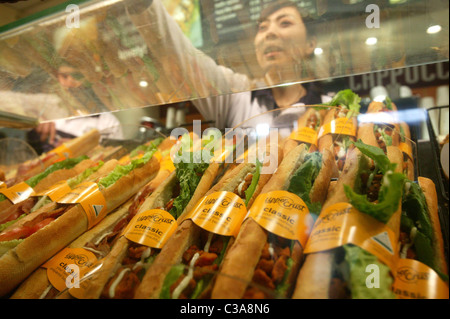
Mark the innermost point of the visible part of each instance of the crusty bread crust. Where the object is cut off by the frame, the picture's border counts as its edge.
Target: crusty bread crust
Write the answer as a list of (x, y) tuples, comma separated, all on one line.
[(355, 161), (313, 281), (365, 133), (19, 262), (185, 235), (429, 191), (63, 174), (319, 190), (81, 145), (326, 141), (110, 264), (240, 261)]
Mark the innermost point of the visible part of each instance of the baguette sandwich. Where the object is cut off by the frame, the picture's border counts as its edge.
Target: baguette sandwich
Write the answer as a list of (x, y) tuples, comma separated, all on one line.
[(188, 262), (372, 183), (261, 264)]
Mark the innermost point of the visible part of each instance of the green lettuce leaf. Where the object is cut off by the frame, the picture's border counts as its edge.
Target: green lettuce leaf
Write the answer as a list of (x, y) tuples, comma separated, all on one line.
[(348, 99), (146, 148), (251, 189), (377, 155), (7, 224), (358, 259), (65, 164), (189, 174), (5, 246), (174, 273), (303, 179), (391, 190), (74, 181), (415, 214), (388, 103), (122, 170), (388, 198)]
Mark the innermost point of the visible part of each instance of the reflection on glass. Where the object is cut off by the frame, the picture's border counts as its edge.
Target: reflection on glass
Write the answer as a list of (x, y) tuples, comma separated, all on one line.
[(185, 50)]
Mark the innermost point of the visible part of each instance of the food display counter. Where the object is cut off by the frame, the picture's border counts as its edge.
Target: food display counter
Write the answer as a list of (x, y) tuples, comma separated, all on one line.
[(264, 152)]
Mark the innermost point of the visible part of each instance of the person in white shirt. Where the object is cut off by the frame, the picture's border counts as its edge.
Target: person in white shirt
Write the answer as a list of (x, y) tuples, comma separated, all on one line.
[(284, 45), (48, 135)]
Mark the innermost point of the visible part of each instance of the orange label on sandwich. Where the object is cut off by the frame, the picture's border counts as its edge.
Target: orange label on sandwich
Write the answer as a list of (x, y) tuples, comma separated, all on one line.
[(305, 134), (284, 214), (167, 164), (342, 126), (62, 151), (57, 191), (341, 224), (90, 198), (66, 268), (220, 213), (151, 228), (407, 149), (415, 280), (18, 192)]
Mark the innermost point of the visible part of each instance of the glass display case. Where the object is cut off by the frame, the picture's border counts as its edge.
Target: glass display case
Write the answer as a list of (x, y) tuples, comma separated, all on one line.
[(246, 70), (118, 47)]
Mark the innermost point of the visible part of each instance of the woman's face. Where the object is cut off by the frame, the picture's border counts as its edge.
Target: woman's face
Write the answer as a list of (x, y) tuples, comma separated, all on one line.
[(282, 40)]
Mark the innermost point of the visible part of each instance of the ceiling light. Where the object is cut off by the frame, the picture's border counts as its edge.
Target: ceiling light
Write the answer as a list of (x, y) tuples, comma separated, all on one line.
[(371, 41), (318, 51), (434, 29), (143, 84)]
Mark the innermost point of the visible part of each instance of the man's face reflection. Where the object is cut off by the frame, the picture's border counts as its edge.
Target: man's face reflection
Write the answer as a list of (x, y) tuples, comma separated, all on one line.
[(282, 40), (68, 77)]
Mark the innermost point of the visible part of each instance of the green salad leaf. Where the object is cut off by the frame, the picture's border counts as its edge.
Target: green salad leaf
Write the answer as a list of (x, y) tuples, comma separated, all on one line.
[(391, 190), (122, 170), (251, 189), (303, 179), (348, 99), (174, 273), (358, 259), (189, 175)]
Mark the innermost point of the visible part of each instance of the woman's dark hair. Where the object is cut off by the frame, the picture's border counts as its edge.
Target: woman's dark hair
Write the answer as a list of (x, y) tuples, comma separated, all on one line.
[(276, 5)]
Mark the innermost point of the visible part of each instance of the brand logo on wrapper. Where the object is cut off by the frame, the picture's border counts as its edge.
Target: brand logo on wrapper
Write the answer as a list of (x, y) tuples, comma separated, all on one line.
[(212, 146), (151, 228), (284, 214), (66, 268), (410, 275), (415, 280), (220, 213)]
